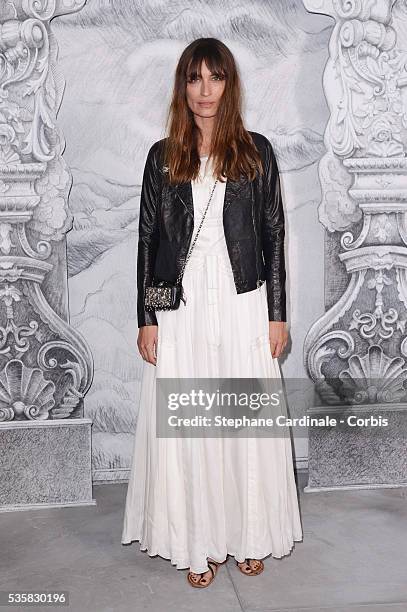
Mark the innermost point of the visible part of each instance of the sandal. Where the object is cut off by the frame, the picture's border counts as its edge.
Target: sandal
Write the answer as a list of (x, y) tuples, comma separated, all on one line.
[(199, 584), (252, 571)]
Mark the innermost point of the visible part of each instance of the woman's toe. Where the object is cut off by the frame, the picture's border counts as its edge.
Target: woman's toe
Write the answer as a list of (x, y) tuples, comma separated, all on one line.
[(206, 577), (255, 564), (245, 566)]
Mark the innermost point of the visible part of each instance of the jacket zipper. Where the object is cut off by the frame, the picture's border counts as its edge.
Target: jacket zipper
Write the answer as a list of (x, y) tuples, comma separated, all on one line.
[(259, 282), (184, 297)]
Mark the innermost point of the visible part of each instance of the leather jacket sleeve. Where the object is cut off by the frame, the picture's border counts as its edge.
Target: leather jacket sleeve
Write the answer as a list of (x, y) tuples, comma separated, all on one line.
[(148, 237), (273, 232)]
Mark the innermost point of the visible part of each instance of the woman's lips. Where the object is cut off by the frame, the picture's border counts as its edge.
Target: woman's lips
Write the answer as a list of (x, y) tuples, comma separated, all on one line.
[(205, 104)]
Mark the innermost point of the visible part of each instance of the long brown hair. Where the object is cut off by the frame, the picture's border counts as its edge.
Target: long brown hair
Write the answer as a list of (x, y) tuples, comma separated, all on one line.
[(232, 149)]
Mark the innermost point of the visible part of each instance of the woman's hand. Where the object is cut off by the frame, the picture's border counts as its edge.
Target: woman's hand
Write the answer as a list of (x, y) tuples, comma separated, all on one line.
[(147, 343), (278, 336)]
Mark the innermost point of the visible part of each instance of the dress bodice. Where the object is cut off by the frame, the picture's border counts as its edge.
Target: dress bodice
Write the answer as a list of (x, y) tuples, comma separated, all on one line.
[(211, 238)]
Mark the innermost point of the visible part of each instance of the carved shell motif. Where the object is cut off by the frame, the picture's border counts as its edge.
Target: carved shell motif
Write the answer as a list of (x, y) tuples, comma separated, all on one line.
[(24, 393), (374, 378)]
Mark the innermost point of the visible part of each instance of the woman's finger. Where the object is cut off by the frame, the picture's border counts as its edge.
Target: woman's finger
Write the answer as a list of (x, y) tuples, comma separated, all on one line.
[(150, 354), (278, 349), (143, 349)]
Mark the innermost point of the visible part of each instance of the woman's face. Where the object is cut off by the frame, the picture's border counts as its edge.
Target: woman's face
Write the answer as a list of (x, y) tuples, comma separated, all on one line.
[(204, 92)]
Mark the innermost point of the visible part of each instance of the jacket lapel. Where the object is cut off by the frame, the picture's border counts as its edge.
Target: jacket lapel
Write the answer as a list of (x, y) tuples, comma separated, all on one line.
[(232, 191), (183, 192)]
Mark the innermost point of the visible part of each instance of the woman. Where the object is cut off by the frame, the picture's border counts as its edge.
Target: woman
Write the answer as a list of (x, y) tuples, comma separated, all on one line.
[(196, 500)]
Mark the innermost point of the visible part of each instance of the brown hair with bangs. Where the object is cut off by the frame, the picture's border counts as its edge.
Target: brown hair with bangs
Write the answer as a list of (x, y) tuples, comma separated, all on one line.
[(232, 149)]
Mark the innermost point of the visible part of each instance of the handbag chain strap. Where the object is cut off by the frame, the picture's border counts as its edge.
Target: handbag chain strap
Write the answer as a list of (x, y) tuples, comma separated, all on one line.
[(193, 244)]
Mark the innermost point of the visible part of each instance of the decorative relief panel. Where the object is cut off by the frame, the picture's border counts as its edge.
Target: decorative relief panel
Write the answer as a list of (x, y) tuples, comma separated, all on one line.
[(357, 351), (45, 365)]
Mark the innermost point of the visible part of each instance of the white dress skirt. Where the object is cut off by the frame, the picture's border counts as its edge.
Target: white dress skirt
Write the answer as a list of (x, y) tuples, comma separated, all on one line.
[(193, 498)]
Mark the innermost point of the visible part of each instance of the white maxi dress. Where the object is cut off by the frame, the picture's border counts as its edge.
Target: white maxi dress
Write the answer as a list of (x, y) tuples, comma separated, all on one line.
[(193, 498)]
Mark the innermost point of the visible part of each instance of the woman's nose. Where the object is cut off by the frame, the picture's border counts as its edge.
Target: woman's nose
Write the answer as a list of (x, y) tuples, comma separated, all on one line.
[(205, 88)]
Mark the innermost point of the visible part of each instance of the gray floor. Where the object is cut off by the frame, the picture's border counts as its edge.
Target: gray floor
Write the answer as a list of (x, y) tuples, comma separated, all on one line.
[(353, 558)]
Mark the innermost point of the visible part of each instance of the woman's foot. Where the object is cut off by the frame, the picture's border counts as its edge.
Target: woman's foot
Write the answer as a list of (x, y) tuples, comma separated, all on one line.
[(251, 567), (203, 580)]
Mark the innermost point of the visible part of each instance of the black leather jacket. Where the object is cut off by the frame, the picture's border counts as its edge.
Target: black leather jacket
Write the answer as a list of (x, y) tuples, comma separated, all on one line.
[(253, 221)]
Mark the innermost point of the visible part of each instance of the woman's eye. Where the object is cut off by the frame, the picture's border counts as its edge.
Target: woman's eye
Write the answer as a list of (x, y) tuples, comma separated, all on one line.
[(214, 77)]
